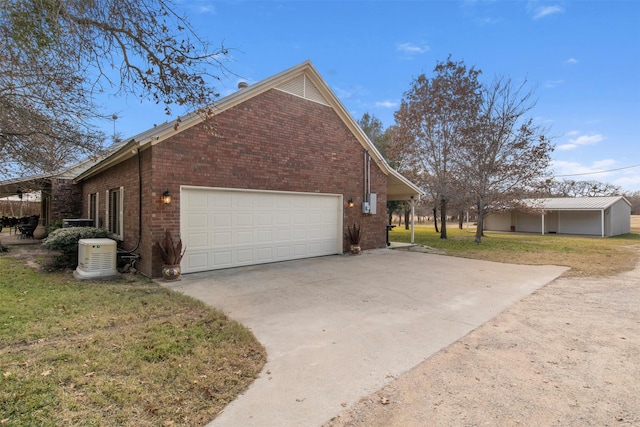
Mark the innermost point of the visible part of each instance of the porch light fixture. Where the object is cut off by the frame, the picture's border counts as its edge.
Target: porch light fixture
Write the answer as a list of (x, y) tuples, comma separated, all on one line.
[(166, 197), (350, 202)]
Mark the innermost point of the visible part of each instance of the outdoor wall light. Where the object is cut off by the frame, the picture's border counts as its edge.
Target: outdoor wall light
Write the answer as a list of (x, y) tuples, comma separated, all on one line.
[(350, 202), (166, 197)]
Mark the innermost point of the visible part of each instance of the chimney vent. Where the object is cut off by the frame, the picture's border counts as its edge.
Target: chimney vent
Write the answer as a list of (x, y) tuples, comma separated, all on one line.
[(242, 85)]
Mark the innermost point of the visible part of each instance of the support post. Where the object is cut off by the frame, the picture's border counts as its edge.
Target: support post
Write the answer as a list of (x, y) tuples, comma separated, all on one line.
[(413, 214)]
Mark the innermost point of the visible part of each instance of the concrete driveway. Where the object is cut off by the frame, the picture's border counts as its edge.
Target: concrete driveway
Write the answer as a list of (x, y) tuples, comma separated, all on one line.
[(340, 327)]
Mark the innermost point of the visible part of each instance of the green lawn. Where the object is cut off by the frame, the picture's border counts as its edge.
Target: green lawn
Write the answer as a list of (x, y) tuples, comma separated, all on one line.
[(114, 353), (587, 256)]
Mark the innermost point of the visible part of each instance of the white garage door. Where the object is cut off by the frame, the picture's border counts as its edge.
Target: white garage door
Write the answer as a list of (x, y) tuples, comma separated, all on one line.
[(224, 228)]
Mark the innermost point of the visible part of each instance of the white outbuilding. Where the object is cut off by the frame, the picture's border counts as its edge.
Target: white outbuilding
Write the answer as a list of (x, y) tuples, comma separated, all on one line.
[(591, 216)]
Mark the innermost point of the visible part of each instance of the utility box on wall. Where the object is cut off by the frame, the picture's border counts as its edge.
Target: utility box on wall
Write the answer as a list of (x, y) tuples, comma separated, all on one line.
[(369, 206)]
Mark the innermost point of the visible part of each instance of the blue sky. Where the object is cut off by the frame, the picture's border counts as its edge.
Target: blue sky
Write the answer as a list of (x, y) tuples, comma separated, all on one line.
[(581, 57)]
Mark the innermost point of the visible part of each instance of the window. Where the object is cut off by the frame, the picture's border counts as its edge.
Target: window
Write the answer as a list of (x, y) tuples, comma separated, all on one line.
[(114, 213), (93, 208)]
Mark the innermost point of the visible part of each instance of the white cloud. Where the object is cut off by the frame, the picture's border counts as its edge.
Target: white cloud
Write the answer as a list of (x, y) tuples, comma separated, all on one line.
[(605, 170), (630, 181), (488, 21), (200, 6), (571, 61), (386, 104), (553, 83), (571, 169), (544, 11), (349, 93), (413, 49), (580, 141)]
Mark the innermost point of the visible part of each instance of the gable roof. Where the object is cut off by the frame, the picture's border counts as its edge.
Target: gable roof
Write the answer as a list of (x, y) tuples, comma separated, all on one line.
[(302, 80), (574, 203)]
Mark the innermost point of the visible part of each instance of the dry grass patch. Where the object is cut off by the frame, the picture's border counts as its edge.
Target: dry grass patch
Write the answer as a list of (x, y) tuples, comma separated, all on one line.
[(587, 256), (114, 353)]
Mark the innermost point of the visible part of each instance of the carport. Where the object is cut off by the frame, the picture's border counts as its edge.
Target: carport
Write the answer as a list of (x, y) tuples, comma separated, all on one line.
[(591, 216), (339, 327)]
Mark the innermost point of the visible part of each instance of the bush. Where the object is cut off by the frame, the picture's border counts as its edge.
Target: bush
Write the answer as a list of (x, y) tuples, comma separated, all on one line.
[(54, 226), (65, 241)]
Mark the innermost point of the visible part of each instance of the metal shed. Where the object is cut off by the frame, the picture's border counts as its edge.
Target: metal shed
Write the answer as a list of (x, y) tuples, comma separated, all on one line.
[(592, 216)]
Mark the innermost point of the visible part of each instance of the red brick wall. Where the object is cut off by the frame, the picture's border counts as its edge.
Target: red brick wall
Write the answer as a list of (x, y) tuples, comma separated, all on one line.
[(67, 202), (124, 175), (274, 141)]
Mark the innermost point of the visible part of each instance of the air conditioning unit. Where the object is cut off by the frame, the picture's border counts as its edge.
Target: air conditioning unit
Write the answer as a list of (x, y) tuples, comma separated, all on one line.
[(96, 259)]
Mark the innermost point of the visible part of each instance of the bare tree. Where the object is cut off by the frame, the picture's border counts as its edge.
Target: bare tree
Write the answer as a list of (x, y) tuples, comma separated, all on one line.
[(504, 155), (634, 199), (56, 56), (570, 188), (432, 117)]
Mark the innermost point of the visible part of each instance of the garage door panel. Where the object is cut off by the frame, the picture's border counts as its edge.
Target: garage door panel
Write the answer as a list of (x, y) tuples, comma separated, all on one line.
[(265, 254), (221, 259), (282, 218), (221, 220), (244, 255), (243, 200), (217, 201), (196, 260), (197, 220), (243, 237), (223, 238), (264, 236), (283, 252), (198, 240), (244, 219), (227, 228), (264, 219), (282, 235)]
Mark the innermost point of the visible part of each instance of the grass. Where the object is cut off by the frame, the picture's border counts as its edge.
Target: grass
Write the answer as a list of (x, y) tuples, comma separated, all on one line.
[(114, 353), (587, 256)]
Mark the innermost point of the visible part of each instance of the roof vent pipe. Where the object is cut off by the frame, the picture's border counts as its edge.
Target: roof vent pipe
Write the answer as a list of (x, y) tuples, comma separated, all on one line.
[(242, 85)]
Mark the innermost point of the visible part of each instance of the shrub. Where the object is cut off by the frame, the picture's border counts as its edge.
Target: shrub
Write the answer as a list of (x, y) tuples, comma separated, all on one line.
[(54, 226), (65, 242)]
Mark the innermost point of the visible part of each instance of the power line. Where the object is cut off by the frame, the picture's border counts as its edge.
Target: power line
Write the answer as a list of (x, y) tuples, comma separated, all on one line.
[(593, 173)]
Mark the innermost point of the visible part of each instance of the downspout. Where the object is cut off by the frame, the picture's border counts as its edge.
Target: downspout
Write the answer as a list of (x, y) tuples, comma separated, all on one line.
[(139, 204), (364, 198), (368, 176)]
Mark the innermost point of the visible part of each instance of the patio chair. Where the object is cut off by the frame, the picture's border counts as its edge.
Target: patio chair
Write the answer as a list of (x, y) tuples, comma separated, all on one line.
[(26, 230)]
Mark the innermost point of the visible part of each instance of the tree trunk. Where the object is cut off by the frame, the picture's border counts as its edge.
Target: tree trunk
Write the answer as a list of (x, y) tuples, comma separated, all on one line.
[(435, 219), (443, 218), (460, 219), (479, 229), (407, 214)]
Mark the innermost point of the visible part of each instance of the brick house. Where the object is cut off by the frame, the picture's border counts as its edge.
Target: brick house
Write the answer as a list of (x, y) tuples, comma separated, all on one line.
[(60, 198), (286, 170)]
